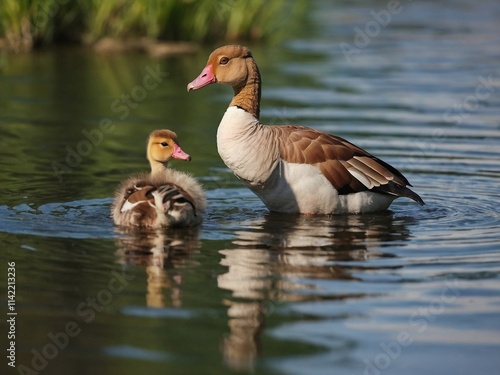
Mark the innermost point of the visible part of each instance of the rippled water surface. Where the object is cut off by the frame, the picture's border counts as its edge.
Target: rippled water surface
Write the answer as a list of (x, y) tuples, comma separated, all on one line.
[(414, 290)]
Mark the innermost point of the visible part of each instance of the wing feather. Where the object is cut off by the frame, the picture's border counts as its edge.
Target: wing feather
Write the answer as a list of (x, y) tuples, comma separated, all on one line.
[(349, 168)]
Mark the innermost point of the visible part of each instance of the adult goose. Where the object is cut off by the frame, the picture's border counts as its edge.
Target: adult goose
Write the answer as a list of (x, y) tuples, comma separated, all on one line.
[(293, 169), (164, 197)]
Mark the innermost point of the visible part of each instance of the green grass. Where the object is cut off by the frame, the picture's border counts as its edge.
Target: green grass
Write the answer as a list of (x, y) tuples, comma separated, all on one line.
[(28, 23)]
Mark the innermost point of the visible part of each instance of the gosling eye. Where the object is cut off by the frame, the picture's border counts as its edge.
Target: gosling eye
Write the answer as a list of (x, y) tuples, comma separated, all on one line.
[(164, 144), (223, 60)]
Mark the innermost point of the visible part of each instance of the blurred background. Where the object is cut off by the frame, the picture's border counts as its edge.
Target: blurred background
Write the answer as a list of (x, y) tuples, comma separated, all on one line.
[(413, 290), (30, 24)]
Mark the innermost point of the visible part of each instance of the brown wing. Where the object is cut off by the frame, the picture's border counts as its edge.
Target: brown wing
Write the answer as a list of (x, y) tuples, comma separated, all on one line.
[(140, 208), (349, 169), (140, 194), (136, 207)]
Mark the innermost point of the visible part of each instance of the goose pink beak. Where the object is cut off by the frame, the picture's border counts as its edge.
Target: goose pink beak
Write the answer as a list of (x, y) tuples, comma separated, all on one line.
[(205, 78), (180, 154)]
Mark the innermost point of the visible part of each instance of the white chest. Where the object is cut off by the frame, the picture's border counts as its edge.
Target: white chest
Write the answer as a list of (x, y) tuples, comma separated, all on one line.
[(245, 147)]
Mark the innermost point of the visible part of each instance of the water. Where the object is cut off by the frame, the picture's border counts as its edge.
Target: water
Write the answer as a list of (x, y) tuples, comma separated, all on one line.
[(413, 290)]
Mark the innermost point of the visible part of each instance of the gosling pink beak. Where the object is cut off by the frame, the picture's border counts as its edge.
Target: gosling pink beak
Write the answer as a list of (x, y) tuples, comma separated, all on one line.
[(180, 154), (205, 78)]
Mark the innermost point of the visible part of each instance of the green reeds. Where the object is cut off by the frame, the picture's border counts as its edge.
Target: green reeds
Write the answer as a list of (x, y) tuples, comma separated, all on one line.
[(27, 23)]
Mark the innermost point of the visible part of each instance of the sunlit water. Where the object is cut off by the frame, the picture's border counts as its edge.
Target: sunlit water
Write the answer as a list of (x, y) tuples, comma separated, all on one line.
[(414, 290)]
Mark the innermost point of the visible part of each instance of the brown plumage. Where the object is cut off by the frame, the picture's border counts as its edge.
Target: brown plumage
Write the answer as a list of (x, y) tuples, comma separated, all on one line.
[(164, 197), (284, 157), (335, 156)]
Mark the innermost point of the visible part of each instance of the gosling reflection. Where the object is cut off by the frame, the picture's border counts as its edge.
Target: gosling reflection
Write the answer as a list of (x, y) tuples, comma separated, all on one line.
[(275, 256), (164, 254)]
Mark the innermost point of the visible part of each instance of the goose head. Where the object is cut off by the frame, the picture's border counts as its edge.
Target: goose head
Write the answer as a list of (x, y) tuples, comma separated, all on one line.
[(227, 65), (162, 147)]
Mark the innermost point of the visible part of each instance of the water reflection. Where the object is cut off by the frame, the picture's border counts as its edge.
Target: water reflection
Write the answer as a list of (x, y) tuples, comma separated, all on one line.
[(409, 97), (163, 254), (273, 259)]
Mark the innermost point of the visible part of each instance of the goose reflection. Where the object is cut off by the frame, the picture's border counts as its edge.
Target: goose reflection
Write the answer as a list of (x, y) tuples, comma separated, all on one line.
[(164, 255), (274, 257)]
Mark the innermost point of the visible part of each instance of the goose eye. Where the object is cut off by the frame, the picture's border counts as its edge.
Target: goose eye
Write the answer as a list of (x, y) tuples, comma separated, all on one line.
[(164, 144), (223, 60)]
